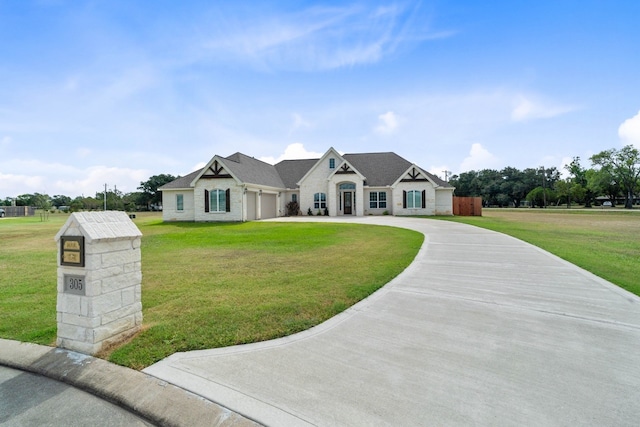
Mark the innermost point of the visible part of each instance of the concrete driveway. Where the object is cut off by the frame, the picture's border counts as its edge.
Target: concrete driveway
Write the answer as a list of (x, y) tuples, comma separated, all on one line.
[(482, 329)]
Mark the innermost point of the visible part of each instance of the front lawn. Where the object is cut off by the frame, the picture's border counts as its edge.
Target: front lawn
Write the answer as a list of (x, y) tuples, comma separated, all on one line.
[(210, 285)]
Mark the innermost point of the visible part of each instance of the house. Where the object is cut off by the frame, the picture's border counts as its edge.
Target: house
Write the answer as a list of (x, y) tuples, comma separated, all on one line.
[(242, 188)]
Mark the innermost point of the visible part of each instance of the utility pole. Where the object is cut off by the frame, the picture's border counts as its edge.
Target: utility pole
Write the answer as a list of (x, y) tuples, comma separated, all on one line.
[(446, 175), (544, 186)]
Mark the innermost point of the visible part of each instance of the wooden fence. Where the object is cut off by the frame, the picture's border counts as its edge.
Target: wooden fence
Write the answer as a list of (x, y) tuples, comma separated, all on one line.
[(467, 206), (18, 210)]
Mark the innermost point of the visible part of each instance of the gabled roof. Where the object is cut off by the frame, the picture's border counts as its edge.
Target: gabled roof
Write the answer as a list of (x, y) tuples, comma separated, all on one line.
[(181, 183), (292, 171), (384, 169), (253, 171), (380, 170), (246, 169)]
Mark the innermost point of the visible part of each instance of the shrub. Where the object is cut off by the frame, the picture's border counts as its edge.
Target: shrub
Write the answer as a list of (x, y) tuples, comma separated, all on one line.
[(293, 208)]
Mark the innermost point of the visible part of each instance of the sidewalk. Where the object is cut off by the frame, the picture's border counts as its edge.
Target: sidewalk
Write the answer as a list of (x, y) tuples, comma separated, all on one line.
[(482, 329)]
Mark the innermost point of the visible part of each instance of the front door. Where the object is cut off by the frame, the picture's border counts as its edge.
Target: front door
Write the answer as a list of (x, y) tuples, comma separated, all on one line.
[(347, 202)]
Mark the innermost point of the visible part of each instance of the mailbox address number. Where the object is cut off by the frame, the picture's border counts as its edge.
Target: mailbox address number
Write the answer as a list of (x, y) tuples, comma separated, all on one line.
[(74, 284)]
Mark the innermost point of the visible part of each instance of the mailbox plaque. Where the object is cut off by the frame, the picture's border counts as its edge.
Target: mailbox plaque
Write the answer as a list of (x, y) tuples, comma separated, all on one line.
[(72, 251), (74, 284)]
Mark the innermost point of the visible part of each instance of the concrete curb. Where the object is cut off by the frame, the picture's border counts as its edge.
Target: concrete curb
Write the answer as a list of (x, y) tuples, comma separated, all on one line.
[(159, 402)]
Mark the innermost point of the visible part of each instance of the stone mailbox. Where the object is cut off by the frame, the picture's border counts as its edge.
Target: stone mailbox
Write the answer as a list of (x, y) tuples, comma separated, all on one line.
[(99, 281)]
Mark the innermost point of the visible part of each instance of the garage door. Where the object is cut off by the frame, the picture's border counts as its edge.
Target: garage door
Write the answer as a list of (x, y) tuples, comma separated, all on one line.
[(269, 206), (251, 205)]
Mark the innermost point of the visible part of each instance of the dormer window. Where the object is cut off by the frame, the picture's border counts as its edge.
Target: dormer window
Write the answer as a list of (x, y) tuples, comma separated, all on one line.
[(332, 163)]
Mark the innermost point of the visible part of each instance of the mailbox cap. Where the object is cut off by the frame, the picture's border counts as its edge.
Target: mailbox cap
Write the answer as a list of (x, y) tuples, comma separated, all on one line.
[(98, 226)]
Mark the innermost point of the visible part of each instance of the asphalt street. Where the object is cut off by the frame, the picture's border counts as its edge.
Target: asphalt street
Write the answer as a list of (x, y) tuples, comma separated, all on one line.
[(28, 399)]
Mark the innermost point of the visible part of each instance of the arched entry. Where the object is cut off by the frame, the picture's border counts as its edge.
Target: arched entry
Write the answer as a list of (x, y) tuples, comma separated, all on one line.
[(347, 198)]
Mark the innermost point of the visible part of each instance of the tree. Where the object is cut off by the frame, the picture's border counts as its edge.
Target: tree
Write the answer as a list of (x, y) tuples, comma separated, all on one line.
[(624, 166), (540, 196), (579, 177), (60, 200), (600, 181), (149, 188)]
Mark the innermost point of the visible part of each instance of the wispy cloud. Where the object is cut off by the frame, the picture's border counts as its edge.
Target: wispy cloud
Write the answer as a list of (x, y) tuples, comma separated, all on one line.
[(320, 38), (531, 108)]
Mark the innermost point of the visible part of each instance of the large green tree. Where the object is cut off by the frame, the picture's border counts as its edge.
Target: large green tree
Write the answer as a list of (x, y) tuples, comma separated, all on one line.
[(150, 193), (624, 166)]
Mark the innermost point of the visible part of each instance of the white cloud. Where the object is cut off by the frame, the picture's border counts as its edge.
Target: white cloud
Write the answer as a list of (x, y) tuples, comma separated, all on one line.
[(529, 108), (629, 130), (479, 158), (56, 178), (388, 123), (293, 151)]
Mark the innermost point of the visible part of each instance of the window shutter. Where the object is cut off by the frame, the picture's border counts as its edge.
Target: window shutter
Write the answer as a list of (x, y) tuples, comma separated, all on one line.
[(424, 202), (206, 200), (227, 195), (404, 199)]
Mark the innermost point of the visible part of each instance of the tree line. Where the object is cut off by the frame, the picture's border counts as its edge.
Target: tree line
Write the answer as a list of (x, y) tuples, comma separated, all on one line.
[(614, 176), (148, 198)]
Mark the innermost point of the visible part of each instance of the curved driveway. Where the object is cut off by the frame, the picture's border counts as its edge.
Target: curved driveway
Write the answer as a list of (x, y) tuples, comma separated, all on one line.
[(481, 329)]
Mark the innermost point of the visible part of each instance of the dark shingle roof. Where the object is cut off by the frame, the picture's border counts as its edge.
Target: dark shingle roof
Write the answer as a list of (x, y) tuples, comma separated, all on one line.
[(380, 170), (253, 171), (182, 182), (292, 171)]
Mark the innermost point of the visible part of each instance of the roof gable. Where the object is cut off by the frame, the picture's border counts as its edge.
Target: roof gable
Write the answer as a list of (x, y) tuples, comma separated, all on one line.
[(330, 151), (215, 169)]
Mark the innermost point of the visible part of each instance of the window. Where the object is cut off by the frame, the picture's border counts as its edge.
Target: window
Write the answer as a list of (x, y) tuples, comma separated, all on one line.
[(294, 198), (217, 201), (413, 199), (180, 202), (348, 186), (319, 201), (378, 200), (332, 163)]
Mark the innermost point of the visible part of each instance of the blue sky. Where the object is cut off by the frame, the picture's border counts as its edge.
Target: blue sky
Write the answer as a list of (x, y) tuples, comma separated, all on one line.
[(95, 92)]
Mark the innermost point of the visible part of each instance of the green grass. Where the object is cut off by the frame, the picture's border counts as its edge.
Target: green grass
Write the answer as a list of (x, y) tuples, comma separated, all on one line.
[(211, 285), (604, 242)]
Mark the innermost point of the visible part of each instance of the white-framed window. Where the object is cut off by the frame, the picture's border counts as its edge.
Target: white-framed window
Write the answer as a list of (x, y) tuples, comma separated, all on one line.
[(319, 201), (180, 202), (378, 200), (414, 199), (217, 200), (294, 198), (332, 163)]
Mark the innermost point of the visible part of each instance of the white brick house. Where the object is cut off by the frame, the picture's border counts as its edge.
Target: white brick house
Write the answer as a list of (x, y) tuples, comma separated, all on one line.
[(241, 188)]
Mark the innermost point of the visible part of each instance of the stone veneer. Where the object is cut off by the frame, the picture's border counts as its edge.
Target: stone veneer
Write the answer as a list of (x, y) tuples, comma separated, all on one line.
[(111, 309)]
